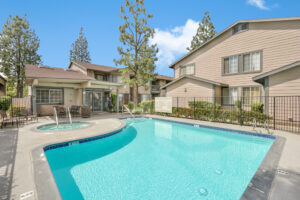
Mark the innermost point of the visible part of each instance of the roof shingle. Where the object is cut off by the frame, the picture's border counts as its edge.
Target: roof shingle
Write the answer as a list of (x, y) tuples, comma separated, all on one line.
[(34, 71), (95, 67)]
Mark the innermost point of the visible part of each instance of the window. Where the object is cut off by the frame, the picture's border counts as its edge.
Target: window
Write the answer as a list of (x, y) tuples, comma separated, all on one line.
[(145, 97), (116, 78), (187, 70), (231, 65), (251, 95), (230, 95), (49, 96), (100, 77), (251, 62), (243, 63), (239, 27)]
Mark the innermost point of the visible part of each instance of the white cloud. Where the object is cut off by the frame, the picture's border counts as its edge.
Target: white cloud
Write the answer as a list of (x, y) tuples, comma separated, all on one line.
[(173, 43), (258, 3)]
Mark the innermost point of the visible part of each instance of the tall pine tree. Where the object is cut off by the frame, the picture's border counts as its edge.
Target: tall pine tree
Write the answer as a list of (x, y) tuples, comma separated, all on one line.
[(18, 46), (205, 31), (79, 49), (136, 54)]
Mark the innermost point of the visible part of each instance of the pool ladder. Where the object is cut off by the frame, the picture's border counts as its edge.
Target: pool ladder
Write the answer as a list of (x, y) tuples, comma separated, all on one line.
[(266, 125), (127, 109), (69, 114), (55, 116)]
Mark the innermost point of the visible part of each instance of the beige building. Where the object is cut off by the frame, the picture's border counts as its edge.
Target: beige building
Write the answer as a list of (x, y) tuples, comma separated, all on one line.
[(249, 59), (80, 84)]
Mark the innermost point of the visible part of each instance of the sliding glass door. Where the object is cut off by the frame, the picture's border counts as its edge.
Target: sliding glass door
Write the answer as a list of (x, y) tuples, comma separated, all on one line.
[(95, 100)]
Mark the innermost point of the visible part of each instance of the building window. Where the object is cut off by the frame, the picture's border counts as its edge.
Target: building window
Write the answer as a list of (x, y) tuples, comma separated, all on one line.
[(116, 78), (145, 97), (187, 70), (49, 96), (239, 27), (252, 62), (229, 96), (100, 77), (231, 65), (251, 95)]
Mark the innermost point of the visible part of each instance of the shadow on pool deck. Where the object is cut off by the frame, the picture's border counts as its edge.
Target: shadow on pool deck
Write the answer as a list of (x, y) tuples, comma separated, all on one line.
[(8, 146)]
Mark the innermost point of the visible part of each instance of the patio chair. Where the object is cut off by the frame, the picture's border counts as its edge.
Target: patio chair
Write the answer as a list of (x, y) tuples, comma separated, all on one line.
[(7, 119), (75, 111), (27, 114), (61, 111), (85, 111)]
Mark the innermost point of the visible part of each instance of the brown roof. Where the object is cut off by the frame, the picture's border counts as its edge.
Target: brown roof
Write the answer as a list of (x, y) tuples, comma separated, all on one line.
[(162, 77), (34, 71), (95, 67)]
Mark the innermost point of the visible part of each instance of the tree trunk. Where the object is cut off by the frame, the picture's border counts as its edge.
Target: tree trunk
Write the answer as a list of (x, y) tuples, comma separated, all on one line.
[(136, 94)]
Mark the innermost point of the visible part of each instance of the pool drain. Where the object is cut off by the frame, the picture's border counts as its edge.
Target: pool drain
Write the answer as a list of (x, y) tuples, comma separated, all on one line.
[(219, 172), (203, 191)]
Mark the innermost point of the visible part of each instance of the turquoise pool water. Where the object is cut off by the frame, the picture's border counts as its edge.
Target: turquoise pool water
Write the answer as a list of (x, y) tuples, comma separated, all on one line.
[(154, 159), (63, 126)]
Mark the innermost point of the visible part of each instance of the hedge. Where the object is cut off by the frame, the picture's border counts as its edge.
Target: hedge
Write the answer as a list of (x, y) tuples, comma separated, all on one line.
[(222, 115)]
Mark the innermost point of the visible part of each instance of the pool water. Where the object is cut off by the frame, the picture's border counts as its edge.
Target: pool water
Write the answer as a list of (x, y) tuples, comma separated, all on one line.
[(154, 159), (63, 126)]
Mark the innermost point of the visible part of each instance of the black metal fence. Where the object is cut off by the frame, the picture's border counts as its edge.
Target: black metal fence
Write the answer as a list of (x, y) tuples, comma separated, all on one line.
[(276, 112)]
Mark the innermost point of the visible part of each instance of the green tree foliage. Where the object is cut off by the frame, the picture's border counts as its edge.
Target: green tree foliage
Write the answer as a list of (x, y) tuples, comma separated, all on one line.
[(205, 31), (18, 46), (79, 49), (136, 54)]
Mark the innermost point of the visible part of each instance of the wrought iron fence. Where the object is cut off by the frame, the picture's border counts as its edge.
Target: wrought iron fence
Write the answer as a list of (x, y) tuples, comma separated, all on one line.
[(276, 112)]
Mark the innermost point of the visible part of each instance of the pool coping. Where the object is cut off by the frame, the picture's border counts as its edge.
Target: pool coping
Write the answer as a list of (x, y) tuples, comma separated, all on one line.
[(45, 184), (47, 188)]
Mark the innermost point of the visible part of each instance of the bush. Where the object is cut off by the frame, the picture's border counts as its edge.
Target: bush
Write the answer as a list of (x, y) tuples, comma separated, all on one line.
[(5, 103), (16, 110), (114, 101), (204, 104), (147, 106), (238, 104), (221, 115), (257, 107), (131, 106)]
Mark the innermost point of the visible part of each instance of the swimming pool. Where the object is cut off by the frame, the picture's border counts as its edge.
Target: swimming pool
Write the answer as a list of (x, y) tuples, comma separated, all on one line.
[(155, 159)]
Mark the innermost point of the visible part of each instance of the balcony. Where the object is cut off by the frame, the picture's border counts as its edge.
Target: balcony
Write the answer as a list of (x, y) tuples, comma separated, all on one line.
[(155, 89)]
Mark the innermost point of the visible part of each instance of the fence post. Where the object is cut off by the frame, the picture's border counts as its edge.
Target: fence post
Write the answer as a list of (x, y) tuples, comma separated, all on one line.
[(177, 104), (11, 106), (194, 108), (274, 126), (240, 110)]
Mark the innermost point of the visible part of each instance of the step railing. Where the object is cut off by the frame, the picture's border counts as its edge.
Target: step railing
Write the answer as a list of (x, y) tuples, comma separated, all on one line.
[(127, 109), (55, 116)]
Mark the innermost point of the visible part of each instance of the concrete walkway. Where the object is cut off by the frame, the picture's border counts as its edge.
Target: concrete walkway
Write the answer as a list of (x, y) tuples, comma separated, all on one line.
[(17, 175)]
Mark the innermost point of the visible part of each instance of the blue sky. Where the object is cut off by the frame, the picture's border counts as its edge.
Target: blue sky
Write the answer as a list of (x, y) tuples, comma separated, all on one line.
[(57, 23)]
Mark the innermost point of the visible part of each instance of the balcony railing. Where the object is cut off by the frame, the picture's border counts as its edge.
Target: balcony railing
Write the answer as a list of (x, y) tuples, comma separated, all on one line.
[(155, 88)]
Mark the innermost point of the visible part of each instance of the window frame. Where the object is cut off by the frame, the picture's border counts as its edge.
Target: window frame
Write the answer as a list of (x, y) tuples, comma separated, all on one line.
[(184, 67), (49, 97), (222, 95), (240, 25), (241, 63), (251, 86)]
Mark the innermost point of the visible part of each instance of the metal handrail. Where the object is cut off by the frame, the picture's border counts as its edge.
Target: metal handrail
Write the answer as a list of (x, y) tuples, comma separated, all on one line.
[(70, 118), (127, 109), (55, 115)]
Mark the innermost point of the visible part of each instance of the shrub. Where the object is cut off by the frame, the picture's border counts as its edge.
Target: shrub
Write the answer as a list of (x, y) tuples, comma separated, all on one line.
[(16, 110), (203, 104), (238, 104), (114, 101), (147, 106), (5, 103), (257, 107), (131, 106)]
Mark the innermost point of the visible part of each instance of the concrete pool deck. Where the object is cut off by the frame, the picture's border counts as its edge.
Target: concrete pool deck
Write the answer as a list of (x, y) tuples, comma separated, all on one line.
[(18, 147)]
